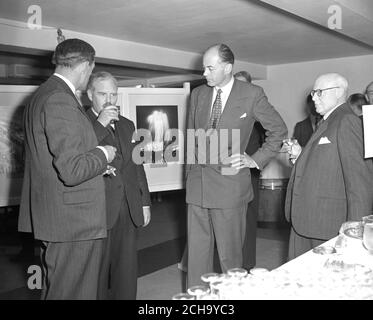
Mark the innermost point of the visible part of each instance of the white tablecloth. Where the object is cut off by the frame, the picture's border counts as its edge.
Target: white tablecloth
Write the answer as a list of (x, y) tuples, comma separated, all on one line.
[(346, 274)]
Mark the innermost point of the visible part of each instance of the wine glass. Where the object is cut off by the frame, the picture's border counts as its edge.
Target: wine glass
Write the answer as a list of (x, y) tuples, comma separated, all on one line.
[(198, 291), (183, 296), (368, 233), (237, 272)]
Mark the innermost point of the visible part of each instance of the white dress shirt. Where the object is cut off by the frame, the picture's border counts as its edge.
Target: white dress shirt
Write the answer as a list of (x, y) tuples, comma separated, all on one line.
[(225, 92), (224, 95)]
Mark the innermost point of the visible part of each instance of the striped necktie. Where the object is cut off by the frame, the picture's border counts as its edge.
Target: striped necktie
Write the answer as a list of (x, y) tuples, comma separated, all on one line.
[(216, 111)]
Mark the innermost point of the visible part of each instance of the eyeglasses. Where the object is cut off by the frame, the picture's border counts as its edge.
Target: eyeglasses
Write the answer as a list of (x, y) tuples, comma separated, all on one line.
[(320, 91)]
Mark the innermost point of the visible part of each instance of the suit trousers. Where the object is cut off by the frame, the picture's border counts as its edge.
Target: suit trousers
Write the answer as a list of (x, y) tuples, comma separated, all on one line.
[(118, 275), (299, 244), (71, 269), (249, 246), (227, 227)]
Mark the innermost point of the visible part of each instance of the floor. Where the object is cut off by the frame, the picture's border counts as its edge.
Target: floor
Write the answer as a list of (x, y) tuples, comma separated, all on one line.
[(160, 247)]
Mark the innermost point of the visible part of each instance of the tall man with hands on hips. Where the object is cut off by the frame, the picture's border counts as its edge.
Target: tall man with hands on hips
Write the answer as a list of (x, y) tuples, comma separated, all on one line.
[(217, 202), (63, 193), (127, 193)]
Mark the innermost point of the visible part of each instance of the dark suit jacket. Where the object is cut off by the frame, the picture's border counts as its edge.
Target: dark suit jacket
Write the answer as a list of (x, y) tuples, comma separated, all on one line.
[(303, 131), (130, 182), (330, 183), (257, 138), (206, 186), (63, 193)]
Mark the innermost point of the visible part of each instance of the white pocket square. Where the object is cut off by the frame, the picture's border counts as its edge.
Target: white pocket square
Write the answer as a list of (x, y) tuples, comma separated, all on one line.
[(243, 116), (324, 140)]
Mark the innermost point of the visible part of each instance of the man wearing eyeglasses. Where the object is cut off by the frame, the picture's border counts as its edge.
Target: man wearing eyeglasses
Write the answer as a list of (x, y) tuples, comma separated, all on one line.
[(369, 93), (330, 182)]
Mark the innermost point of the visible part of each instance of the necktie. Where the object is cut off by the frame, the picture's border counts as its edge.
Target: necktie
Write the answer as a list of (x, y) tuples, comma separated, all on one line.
[(216, 111), (112, 129), (318, 122)]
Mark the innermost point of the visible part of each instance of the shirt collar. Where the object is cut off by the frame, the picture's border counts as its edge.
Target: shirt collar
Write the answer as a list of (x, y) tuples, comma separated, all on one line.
[(326, 115), (67, 81), (228, 87), (94, 112)]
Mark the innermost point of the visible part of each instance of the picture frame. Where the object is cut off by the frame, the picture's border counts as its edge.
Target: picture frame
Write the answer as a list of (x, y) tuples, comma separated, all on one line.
[(13, 99), (161, 177), (137, 104)]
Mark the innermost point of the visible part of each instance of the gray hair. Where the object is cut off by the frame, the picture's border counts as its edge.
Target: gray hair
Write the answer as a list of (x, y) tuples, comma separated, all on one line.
[(101, 75)]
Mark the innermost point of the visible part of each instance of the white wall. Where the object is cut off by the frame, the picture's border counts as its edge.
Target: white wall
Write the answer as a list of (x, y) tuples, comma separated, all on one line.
[(289, 84), (16, 33)]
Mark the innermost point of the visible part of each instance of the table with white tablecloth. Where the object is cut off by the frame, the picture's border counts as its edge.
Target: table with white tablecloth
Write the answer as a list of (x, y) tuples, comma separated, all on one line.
[(345, 274)]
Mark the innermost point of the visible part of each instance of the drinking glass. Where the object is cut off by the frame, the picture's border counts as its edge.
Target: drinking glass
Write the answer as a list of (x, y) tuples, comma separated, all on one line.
[(216, 287), (259, 271), (286, 145), (237, 272), (368, 233), (183, 296), (209, 277), (109, 105), (367, 218), (198, 291)]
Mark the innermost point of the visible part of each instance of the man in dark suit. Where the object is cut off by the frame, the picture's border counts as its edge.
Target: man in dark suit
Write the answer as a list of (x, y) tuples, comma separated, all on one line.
[(63, 193), (255, 142), (330, 182), (127, 193), (304, 129), (217, 190)]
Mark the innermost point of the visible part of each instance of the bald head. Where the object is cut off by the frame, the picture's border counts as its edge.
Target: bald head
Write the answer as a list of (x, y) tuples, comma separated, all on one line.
[(218, 65), (329, 91)]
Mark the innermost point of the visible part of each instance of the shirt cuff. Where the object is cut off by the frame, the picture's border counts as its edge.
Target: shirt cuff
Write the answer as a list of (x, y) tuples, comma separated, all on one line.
[(253, 160), (104, 151)]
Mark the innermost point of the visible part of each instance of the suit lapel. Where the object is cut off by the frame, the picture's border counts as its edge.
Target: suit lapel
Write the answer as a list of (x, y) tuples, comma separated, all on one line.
[(229, 105), (121, 135), (320, 130), (91, 115), (203, 112), (317, 134)]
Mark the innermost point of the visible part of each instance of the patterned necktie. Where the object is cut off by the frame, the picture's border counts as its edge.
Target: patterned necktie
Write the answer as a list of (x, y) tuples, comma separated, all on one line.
[(216, 111), (112, 129)]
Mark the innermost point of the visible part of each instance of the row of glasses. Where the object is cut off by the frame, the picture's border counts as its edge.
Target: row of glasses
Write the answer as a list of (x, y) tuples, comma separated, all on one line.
[(232, 285)]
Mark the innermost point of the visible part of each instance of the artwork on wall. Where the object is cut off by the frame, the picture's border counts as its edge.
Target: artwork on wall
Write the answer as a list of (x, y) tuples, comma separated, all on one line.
[(159, 115), (161, 122), (159, 111), (13, 100)]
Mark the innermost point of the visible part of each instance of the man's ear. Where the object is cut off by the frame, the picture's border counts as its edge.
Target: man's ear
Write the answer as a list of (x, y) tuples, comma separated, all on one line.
[(340, 92), (228, 68), (89, 94)]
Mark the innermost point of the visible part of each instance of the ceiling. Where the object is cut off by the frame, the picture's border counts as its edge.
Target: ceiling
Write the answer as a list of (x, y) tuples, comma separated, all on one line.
[(264, 32)]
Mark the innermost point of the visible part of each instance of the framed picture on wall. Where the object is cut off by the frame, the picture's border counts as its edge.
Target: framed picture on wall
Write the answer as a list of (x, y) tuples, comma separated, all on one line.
[(161, 122), (13, 100), (159, 115)]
